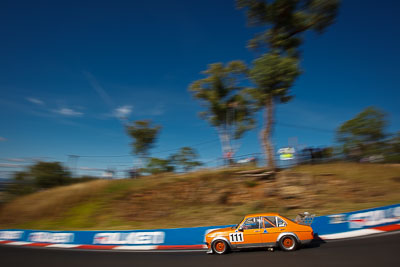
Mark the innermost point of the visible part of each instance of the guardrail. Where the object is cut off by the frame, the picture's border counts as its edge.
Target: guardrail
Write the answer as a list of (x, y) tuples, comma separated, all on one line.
[(335, 226)]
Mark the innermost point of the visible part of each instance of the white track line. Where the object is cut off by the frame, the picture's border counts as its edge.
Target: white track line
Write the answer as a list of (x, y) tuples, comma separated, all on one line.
[(356, 233), (18, 243), (62, 246), (136, 247)]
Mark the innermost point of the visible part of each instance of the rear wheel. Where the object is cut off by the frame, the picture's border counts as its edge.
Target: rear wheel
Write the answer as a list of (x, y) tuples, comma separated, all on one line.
[(288, 243), (220, 247)]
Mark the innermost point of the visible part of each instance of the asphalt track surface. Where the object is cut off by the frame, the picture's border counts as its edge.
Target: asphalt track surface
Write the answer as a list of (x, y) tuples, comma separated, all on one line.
[(379, 251)]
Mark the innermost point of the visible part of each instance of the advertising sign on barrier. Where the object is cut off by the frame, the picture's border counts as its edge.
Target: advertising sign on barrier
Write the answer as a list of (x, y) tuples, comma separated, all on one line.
[(130, 238), (323, 225), (364, 219), (11, 235), (49, 237)]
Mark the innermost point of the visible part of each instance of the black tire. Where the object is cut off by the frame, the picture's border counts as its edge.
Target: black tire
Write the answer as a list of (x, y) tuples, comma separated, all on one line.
[(220, 247), (288, 243)]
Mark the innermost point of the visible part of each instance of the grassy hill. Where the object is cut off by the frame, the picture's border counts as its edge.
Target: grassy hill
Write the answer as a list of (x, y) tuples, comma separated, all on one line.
[(204, 198)]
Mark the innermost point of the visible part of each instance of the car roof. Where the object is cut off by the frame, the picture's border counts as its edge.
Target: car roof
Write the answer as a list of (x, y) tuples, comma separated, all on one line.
[(263, 214)]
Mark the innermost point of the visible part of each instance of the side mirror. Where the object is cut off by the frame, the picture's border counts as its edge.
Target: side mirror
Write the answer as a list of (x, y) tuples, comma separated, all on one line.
[(240, 229)]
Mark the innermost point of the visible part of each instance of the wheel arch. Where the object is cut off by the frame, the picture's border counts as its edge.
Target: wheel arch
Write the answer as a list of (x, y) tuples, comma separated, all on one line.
[(287, 233), (221, 238)]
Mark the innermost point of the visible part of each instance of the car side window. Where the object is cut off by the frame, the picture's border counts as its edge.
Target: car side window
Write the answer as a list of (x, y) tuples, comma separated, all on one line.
[(251, 223), (280, 222), (268, 223)]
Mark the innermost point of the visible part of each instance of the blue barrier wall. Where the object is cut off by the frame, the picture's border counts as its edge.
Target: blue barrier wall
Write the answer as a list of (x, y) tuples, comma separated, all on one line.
[(178, 236), (357, 220), (322, 225)]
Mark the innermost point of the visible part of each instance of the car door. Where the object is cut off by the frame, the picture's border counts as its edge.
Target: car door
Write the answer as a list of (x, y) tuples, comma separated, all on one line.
[(270, 231), (250, 232)]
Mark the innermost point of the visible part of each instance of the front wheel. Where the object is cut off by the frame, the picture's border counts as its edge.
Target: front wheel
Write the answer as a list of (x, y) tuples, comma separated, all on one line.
[(220, 247), (288, 243)]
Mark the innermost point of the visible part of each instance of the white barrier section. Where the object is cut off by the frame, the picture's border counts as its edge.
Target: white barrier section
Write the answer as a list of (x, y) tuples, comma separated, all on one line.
[(11, 235), (133, 238), (374, 217), (46, 237)]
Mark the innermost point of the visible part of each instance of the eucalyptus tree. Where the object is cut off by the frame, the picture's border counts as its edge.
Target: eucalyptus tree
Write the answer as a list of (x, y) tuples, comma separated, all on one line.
[(144, 135), (273, 75), (364, 134), (285, 22), (226, 107), (157, 165), (186, 158)]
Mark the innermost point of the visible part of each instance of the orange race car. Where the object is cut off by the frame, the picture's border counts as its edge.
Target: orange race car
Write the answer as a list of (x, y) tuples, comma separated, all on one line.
[(262, 230)]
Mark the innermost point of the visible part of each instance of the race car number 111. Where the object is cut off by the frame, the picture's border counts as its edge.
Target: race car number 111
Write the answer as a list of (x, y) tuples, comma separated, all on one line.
[(236, 237)]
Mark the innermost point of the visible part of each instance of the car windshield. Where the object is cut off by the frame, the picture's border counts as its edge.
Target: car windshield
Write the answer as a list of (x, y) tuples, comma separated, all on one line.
[(237, 225)]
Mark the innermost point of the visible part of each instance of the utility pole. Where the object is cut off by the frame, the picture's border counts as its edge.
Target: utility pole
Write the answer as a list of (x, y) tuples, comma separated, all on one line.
[(73, 163)]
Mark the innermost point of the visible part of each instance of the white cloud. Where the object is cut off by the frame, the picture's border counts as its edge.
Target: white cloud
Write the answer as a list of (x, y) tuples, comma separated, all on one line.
[(123, 111), (158, 110), (2, 139), (15, 160), (68, 112), (98, 88), (34, 100), (10, 165), (151, 110), (90, 169)]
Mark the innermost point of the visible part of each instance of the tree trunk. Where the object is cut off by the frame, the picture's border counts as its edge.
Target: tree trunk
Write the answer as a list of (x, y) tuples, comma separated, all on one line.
[(267, 132), (225, 143)]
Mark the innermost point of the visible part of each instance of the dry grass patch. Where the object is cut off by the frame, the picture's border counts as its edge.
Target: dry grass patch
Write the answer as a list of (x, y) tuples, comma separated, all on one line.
[(207, 197), (49, 203)]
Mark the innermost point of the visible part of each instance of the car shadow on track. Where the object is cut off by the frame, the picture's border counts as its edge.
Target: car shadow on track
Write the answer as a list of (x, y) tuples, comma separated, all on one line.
[(315, 243)]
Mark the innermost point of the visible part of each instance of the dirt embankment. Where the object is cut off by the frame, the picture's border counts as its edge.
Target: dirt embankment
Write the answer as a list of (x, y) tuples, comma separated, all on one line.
[(205, 197)]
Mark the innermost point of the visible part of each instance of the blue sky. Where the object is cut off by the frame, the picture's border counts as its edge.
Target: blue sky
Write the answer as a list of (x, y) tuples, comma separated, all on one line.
[(68, 68)]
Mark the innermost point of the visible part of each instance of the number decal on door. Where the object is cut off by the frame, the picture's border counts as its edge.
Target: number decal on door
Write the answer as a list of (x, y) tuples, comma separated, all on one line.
[(236, 237)]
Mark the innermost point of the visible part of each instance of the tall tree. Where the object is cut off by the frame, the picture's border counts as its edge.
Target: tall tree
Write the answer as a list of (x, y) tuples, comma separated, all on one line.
[(361, 135), (23, 184), (186, 158), (395, 143), (285, 22), (273, 76), (226, 108), (49, 174), (393, 148), (157, 165), (144, 135)]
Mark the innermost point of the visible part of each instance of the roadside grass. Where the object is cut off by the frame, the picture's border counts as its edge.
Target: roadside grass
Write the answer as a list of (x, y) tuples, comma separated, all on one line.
[(50, 203), (344, 187), (204, 198)]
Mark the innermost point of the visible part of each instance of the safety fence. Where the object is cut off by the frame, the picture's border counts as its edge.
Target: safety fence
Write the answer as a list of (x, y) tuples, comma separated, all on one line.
[(344, 225)]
